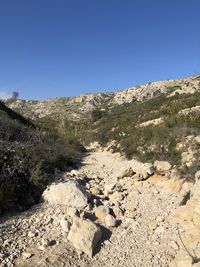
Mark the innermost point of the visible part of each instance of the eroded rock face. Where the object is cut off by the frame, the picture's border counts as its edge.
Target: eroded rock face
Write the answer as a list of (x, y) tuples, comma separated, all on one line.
[(84, 235), (69, 194)]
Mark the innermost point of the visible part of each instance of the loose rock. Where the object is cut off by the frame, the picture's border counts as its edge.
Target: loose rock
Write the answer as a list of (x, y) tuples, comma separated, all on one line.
[(84, 235), (69, 194)]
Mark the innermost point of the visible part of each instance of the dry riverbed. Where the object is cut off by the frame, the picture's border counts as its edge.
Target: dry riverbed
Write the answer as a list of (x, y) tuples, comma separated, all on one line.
[(139, 233)]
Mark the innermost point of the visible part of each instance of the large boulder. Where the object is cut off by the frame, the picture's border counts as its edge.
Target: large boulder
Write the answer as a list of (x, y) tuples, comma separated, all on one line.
[(128, 172), (142, 170), (84, 235), (70, 194), (136, 169), (162, 167)]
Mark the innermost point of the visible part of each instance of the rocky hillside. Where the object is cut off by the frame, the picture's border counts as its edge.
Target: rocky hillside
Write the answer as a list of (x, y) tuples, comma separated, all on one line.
[(156, 121), (28, 158), (133, 199), (76, 108)]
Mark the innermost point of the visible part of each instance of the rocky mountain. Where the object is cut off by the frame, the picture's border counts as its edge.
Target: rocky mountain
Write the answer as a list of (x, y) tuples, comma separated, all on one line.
[(76, 108)]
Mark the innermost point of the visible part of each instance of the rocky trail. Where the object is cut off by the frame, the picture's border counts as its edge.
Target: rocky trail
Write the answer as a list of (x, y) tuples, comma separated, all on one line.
[(124, 222)]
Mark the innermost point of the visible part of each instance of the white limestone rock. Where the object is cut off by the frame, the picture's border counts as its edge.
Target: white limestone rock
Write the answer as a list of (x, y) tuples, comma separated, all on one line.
[(69, 194)]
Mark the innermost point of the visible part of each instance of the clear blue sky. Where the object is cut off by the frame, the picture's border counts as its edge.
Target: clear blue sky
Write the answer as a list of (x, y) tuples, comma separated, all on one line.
[(51, 48)]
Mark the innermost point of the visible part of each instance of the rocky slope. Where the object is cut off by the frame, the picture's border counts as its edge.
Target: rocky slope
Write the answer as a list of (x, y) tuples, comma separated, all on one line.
[(121, 216), (78, 107), (118, 212)]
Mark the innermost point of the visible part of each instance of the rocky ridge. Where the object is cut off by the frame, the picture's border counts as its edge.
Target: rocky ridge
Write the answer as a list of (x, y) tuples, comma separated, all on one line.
[(76, 108)]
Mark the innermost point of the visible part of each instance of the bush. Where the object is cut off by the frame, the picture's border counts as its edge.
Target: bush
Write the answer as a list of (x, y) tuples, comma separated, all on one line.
[(97, 114), (139, 142), (28, 158)]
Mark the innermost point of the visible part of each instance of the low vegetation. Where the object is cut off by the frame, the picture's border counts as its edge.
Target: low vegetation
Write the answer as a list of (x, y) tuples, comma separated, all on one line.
[(31, 151), (151, 142), (29, 156), (146, 143)]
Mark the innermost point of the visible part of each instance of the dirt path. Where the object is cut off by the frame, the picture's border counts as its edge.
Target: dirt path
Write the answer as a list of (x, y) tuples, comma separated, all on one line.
[(144, 237)]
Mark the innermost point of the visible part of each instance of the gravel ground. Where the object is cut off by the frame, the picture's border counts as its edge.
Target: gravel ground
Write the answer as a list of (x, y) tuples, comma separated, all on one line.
[(143, 238)]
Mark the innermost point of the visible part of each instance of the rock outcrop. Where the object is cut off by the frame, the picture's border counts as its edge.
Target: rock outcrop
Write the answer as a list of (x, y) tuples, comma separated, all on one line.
[(188, 111), (150, 123), (76, 108)]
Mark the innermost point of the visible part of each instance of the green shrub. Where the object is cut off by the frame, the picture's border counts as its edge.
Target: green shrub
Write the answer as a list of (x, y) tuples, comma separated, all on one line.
[(97, 114), (137, 142), (28, 158)]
